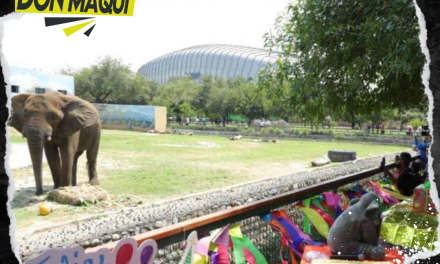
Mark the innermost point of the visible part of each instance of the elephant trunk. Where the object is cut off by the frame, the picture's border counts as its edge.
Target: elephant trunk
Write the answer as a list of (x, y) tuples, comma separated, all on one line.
[(35, 141)]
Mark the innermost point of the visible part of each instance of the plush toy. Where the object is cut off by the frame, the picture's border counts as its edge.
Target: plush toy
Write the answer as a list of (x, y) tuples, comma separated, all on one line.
[(356, 231)]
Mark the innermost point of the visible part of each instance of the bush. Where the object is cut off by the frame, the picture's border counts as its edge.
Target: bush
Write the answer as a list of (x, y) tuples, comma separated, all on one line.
[(271, 131), (245, 130)]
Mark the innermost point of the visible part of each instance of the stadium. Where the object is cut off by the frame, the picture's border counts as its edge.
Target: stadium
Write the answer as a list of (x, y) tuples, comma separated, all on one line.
[(224, 61)]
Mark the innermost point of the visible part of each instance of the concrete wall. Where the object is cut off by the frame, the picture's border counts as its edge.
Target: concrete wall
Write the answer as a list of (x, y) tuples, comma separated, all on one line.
[(161, 118), (27, 81)]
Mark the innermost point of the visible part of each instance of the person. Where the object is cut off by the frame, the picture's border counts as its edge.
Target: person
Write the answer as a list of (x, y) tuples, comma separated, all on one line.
[(422, 149), (179, 120), (261, 125), (411, 131), (187, 121), (407, 179), (418, 131), (368, 129), (203, 121), (382, 129), (197, 121)]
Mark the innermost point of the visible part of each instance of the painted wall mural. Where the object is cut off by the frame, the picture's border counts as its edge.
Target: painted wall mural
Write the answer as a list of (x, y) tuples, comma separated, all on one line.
[(127, 117)]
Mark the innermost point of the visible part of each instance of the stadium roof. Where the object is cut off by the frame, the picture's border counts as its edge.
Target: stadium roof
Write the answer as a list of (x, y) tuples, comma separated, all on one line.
[(226, 61)]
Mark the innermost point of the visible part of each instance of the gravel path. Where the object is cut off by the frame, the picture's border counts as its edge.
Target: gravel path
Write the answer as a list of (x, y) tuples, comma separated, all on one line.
[(130, 221)]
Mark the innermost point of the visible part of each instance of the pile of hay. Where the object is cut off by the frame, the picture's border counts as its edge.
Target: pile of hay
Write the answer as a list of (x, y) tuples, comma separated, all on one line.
[(78, 195)]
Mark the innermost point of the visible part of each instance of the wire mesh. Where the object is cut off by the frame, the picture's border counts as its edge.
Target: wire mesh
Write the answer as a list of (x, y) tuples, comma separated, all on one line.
[(260, 233)]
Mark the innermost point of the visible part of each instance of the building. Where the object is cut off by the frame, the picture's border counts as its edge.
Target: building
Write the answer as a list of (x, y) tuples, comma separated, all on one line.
[(225, 61), (31, 81)]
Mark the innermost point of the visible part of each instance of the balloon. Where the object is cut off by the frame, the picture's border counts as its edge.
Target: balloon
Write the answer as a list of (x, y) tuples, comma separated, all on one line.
[(125, 254), (146, 255)]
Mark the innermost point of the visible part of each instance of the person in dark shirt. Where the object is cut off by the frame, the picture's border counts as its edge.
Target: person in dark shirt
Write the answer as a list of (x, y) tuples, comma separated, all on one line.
[(407, 179)]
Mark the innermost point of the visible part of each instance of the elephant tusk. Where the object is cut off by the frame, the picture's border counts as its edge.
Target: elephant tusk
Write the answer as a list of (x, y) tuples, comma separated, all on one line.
[(49, 138)]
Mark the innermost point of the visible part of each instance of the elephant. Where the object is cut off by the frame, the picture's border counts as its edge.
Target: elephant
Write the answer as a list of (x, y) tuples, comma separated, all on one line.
[(356, 230), (64, 126)]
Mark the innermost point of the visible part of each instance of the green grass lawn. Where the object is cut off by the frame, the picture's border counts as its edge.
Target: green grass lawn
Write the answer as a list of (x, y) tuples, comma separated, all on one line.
[(150, 167), (175, 164)]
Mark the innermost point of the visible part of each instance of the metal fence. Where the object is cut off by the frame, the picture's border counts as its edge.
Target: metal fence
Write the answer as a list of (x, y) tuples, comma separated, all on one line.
[(171, 239)]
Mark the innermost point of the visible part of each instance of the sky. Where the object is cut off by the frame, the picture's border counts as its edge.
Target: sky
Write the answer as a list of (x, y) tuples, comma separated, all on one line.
[(157, 27)]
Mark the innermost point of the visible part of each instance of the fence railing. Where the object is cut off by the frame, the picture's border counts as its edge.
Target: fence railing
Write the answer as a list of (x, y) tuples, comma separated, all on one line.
[(294, 129), (174, 236)]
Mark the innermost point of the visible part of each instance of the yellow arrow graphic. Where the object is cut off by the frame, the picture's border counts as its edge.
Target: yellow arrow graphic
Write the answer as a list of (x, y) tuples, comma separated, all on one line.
[(70, 30)]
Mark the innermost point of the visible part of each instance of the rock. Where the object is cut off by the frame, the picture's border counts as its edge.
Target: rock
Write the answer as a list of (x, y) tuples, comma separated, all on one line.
[(95, 242), (85, 244), (159, 224), (116, 237), (107, 238)]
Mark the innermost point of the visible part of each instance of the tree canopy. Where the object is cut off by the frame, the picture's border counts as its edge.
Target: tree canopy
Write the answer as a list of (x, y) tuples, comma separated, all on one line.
[(347, 58)]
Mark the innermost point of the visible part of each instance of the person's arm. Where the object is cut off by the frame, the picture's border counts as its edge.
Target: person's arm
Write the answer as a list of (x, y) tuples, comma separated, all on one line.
[(390, 176), (416, 142)]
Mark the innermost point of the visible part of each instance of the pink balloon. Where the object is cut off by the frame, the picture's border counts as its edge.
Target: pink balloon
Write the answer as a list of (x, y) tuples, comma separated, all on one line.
[(124, 255)]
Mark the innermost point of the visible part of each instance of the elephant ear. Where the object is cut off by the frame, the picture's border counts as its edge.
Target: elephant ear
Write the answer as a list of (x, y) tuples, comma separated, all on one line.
[(372, 212), (18, 102), (354, 201), (77, 114)]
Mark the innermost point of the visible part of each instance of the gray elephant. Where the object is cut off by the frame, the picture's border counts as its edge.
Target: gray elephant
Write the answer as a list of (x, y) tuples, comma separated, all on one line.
[(64, 126), (356, 231)]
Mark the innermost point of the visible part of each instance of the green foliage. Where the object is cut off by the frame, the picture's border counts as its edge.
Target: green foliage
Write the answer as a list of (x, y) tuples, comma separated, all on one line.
[(110, 81), (415, 123), (271, 131), (331, 61)]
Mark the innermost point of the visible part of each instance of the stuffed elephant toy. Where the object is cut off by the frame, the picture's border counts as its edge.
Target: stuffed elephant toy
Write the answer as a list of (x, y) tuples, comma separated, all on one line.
[(64, 126), (356, 231)]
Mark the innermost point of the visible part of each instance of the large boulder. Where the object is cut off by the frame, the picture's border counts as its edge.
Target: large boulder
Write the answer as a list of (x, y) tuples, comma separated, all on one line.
[(341, 155)]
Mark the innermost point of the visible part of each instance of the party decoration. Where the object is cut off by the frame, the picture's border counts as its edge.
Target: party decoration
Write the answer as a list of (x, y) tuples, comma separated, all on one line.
[(243, 249), (402, 226), (295, 238), (125, 252), (387, 198), (189, 250)]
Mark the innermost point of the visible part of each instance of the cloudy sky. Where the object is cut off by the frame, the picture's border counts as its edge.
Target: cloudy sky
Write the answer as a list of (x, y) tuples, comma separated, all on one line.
[(156, 28)]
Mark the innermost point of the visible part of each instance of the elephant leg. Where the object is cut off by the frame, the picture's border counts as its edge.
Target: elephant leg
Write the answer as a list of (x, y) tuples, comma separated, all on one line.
[(75, 164), (92, 156), (53, 159), (67, 158)]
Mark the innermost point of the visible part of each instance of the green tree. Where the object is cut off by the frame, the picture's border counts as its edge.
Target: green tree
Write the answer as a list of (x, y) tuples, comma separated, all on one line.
[(250, 101), (110, 81), (178, 92), (222, 99), (347, 58)]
